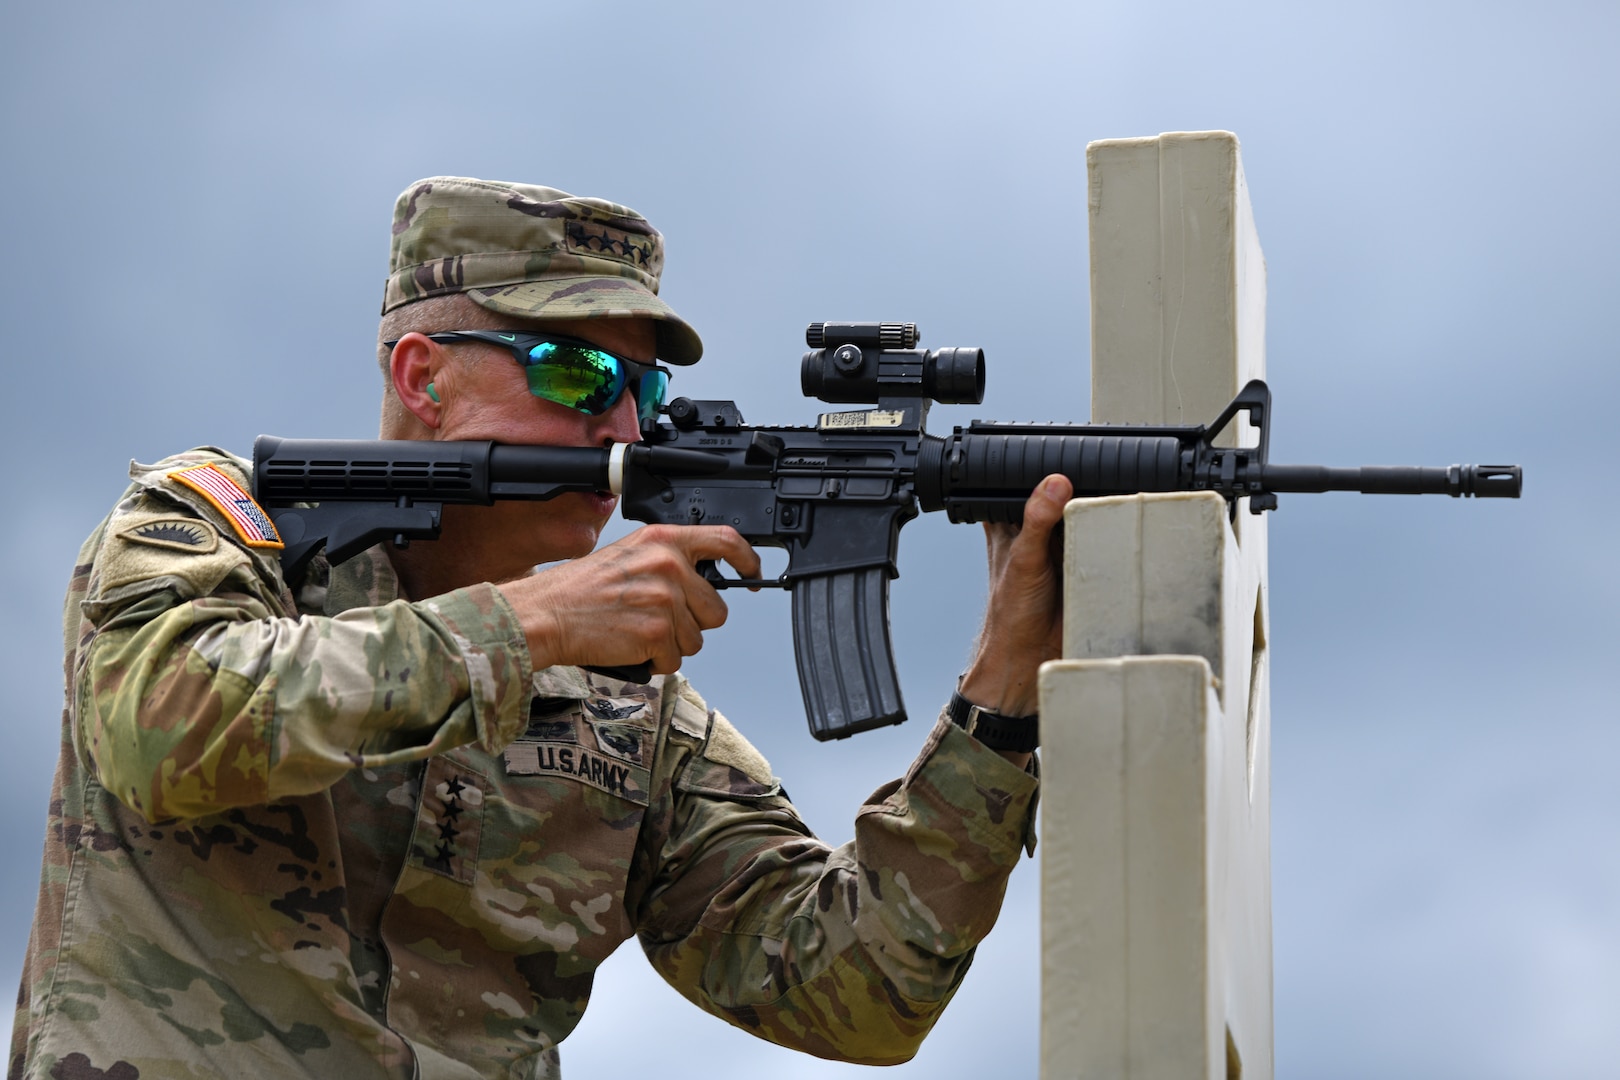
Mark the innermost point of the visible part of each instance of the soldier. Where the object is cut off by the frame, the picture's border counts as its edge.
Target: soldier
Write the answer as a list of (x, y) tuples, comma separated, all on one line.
[(377, 820)]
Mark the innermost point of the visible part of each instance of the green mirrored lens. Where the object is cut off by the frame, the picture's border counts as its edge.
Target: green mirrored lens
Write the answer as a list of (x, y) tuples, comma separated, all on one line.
[(650, 395), (586, 379)]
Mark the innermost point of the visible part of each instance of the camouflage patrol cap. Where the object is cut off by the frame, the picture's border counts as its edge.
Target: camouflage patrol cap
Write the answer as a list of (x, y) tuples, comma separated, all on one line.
[(534, 253)]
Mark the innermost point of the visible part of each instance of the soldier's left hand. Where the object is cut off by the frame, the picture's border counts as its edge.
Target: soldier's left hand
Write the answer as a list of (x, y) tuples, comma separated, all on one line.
[(1023, 622)]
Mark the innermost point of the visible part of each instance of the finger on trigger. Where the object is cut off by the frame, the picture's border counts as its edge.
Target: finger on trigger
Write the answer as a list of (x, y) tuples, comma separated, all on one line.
[(749, 567), (716, 542)]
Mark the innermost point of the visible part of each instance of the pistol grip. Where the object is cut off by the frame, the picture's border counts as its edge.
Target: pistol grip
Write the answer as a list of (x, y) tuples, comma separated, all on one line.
[(635, 673), (841, 643)]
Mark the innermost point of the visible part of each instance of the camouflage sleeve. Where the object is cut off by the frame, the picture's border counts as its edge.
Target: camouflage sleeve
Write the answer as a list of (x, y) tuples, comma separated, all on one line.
[(847, 953), (196, 689)]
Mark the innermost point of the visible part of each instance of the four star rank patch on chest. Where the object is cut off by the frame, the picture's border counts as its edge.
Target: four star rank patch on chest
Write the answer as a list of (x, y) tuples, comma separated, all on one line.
[(247, 517)]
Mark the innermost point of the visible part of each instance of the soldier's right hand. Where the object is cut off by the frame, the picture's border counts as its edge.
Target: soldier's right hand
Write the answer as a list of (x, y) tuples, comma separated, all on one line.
[(640, 599)]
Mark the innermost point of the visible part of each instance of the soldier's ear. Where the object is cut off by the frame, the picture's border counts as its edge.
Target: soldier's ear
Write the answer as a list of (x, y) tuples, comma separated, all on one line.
[(414, 365)]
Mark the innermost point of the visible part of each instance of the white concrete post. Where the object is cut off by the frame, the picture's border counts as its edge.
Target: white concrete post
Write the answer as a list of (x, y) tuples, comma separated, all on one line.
[(1156, 888)]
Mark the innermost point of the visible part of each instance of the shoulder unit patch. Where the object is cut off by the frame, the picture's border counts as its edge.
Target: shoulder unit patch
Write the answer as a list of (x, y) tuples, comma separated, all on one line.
[(247, 517), (174, 533)]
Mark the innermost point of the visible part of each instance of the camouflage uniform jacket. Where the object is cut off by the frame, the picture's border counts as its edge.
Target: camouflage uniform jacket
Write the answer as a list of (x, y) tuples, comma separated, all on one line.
[(339, 834)]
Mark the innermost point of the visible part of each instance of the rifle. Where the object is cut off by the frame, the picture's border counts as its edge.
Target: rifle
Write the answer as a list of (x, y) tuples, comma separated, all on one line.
[(834, 495)]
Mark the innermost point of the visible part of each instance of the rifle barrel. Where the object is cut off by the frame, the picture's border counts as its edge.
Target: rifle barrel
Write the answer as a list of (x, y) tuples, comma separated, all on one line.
[(1476, 481)]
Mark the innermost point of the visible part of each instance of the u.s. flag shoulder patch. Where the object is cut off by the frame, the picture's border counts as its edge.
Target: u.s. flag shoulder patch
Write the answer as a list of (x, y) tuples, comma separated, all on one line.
[(247, 517)]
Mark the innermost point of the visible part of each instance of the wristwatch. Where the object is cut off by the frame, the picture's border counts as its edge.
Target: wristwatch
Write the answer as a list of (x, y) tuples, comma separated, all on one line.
[(1020, 734)]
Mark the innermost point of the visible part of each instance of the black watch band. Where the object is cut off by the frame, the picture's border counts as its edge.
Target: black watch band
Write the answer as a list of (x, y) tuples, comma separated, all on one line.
[(1019, 734)]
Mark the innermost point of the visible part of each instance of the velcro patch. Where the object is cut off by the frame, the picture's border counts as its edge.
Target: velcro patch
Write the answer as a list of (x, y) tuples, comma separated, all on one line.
[(450, 821), (727, 746), (579, 763), (604, 708), (184, 553), (174, 533), (620, 740), (247, 517), (608, 242)]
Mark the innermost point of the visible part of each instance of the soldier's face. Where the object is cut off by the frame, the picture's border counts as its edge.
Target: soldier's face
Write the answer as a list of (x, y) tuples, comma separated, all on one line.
[(489, 398)]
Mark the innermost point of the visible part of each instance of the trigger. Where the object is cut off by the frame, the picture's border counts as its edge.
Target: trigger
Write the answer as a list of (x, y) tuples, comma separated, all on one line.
[(711, 573)]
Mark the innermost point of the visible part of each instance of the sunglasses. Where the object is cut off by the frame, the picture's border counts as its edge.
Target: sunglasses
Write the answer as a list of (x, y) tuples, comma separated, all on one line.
[(572, 372)]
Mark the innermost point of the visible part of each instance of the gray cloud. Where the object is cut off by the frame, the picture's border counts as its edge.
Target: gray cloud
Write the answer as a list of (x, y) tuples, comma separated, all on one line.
[(196, 208)]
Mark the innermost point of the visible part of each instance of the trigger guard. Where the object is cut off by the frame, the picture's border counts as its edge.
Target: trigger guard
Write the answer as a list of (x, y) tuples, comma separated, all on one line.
[(711, 573)]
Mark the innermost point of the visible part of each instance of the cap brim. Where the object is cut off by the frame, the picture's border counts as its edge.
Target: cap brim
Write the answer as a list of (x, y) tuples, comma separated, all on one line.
[(596, 297)]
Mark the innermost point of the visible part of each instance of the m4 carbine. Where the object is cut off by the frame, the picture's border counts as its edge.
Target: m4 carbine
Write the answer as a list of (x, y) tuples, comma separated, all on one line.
[(834, 495)]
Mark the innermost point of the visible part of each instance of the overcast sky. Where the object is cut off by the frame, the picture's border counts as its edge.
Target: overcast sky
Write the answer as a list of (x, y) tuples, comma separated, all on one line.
[(196, 199)]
